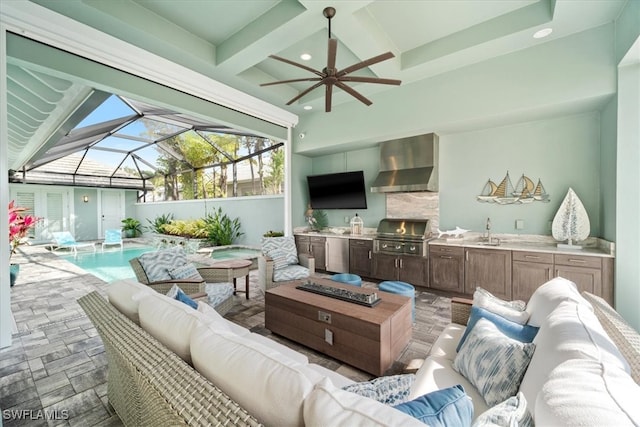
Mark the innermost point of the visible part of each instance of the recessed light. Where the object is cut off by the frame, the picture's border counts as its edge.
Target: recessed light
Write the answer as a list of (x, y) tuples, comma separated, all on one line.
[(305, 57), (542, 33), (308, 107)]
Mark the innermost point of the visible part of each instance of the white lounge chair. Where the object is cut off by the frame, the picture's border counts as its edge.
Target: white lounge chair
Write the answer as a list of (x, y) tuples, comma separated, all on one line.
[(112, 237), (64, 240)]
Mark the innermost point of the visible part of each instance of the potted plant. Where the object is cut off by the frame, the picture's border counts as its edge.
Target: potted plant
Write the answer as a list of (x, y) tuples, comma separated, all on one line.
[(131, 227), (19, 226)]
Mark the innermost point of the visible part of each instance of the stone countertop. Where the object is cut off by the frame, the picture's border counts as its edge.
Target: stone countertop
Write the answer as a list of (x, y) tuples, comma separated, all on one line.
[(343, 233), (530, 243)]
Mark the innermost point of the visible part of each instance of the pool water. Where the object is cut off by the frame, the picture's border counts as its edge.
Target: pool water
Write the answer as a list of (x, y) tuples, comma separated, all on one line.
[(108, 265), (234, 253)]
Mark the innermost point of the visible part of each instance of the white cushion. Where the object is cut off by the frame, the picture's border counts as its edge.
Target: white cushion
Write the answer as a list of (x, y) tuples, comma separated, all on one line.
[(512, 412), (267, 383), (125, 295), (571, 331), (588, 392), (158, 264), (548, 296), (170, 322), (210, 312), (336, 379), (445, 345), (510, 310), (437, 373), (329, 406), (274, 345)]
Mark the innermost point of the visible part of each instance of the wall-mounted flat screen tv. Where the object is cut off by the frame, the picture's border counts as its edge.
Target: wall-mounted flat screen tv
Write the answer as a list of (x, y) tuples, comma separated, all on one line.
[(344, 190)]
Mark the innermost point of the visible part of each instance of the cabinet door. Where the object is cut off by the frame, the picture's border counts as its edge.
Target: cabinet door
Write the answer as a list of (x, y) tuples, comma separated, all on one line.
[(489, 269), (586, 279), (412, 270), (385, 267), (528, 276), (317, 245), (360, 257), (302, 244), (446, 268)]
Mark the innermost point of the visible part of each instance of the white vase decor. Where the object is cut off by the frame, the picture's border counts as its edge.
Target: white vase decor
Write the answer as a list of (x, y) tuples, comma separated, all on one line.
[(571, 223)]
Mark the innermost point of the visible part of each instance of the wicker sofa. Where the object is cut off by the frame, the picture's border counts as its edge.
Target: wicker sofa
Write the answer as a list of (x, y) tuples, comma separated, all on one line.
[(179, 368)]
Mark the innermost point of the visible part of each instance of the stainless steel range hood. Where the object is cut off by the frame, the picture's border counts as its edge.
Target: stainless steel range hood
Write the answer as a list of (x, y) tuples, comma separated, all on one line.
[(408, 164)]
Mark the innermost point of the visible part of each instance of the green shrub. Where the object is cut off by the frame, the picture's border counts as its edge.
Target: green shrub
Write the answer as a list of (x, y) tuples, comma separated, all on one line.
[(222, 230), (158, 223)]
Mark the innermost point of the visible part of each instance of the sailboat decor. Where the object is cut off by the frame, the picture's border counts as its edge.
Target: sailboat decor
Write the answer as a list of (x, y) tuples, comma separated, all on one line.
[(505, 193), (571, 222)]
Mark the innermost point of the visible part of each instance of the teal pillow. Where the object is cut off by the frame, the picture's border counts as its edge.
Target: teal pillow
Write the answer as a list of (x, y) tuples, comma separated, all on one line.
[(442, 408), (182, 297), (516, 331)]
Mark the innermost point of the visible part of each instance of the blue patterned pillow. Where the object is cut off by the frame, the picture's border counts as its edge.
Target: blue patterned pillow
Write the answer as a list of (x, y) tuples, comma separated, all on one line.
[(157, 264), (390, 390), (286, 244), (511, 412), (279, 259), (441, 408), (522, 333), (187, 271), (493, 362), (182, 297)]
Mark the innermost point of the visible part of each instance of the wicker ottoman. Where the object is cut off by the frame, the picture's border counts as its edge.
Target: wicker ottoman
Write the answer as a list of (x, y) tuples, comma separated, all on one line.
[(401, 288)]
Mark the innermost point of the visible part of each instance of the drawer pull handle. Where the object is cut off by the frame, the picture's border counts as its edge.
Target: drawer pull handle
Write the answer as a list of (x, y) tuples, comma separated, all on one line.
[(580, 261), (531, 257), (445, 257)]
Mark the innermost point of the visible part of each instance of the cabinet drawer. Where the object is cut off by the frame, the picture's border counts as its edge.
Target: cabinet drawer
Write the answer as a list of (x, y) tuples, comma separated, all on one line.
[(317, 239), (578, 260), (361, 243), (540, 257), (446, 250)]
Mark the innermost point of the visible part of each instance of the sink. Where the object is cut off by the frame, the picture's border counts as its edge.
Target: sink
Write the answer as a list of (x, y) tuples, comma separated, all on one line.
[(494, 242)]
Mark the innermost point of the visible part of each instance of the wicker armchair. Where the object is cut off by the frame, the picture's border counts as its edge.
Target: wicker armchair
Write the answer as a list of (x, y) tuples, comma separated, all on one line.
[(194, 288)]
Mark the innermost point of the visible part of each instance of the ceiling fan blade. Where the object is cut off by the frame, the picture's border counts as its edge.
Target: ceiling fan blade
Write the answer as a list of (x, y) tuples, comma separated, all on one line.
[(368, 62), (331, 55), (327, 98), (310, 79), (353, 93), (295, 64), (370, 80), (304, 92)]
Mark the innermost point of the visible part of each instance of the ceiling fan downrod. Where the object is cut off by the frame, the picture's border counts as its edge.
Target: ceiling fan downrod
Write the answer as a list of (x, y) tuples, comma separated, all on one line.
[(329, 12)]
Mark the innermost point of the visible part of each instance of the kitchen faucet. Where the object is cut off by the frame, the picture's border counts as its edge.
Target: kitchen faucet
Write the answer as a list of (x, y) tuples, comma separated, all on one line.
[(488, 227)]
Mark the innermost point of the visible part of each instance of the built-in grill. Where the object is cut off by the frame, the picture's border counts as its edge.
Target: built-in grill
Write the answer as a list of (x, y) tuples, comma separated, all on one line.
[(402, 236)]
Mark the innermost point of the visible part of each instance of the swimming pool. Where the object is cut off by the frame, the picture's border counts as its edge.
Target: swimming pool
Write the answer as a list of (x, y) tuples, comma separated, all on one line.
[(108, 265), (225, 253)]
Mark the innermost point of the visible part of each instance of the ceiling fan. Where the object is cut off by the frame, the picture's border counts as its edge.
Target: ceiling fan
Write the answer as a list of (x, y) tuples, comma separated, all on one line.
[(330, 76)]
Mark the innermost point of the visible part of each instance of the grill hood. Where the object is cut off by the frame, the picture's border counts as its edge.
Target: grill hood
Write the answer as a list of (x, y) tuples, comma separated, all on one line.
[(408, 164)]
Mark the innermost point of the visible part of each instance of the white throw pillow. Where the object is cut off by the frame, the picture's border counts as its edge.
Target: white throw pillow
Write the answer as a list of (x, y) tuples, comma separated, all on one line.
[(328, 406), (510, 310), (588, 393), (271, 386), (125, 295), (493, 362), (548, 296), (512, 412), (571, 331)]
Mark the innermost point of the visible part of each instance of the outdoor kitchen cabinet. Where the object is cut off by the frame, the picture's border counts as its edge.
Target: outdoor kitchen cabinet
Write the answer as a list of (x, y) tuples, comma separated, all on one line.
[(407, 268), (360, 257), (313, 246), (528, 271), (489, 269), (446, 268)]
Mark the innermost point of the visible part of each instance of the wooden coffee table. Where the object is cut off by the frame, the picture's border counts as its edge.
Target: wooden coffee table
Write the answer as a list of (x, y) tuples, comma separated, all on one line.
[(369, 338)]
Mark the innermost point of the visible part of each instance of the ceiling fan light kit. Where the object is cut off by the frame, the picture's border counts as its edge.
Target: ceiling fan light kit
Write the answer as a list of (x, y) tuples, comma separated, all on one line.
[(330, 76)]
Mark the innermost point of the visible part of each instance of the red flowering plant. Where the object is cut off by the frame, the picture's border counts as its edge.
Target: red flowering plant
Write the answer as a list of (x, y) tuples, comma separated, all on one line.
[(19, 226)]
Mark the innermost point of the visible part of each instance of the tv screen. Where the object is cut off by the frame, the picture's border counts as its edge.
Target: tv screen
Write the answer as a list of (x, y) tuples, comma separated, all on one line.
[(343, 190)]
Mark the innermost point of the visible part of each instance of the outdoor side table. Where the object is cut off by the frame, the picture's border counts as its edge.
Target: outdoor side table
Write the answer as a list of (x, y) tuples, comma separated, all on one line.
[(235, 269)]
